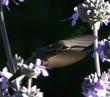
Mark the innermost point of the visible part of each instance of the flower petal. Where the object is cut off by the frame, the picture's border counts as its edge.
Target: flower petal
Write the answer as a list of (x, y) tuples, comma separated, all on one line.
[(6, 73), (5, 2), (44, 72), (38, 61), (74, 18)]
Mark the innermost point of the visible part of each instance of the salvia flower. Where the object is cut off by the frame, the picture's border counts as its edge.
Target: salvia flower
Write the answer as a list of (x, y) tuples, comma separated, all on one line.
[(40, 68), (104, 50), (3, 85), (95, 86), (34, 70), (75, 16), (92, 11), (5, 2), (34, 92), (8, 75)]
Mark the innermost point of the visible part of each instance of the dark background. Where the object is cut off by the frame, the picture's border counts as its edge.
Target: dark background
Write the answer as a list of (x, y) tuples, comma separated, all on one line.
[(37, 23)]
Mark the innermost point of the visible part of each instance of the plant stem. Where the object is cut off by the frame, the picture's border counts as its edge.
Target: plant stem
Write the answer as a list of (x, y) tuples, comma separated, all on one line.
[(97, 62), (29, 85), (7, 48)]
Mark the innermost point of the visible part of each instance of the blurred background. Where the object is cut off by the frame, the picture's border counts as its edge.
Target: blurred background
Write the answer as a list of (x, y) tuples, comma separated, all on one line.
[(37, 23)]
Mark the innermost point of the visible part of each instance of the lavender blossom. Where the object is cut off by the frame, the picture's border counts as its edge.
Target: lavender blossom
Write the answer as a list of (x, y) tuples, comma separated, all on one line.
[(104, 50), (8, 75), (34, 92), (5, 2), (40, 68), (75, 16), (34, 70), (95, 86), (3, 85), (92, 11)]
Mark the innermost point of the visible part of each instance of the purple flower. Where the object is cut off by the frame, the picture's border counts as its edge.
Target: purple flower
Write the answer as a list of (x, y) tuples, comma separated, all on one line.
[(92, 11), (3, 84), (35, 70), (90, 94), (5, 2), (75, 16), (100, 48), (106, 21), (104, 50), (40, 68), (95, 86)]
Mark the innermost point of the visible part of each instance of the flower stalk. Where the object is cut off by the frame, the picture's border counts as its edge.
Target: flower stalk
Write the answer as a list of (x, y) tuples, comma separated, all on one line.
[(6, 41), (96, 55), (29, 85)]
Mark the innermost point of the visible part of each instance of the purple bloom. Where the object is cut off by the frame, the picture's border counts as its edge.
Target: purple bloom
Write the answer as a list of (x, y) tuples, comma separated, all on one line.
[(100, 49), (95, 86), (5, 2), (90, 94), (92, 11), (98, 85), (3, 84), (41, 68), (35, 70), (104, 50), (75, 16), (106, 21)]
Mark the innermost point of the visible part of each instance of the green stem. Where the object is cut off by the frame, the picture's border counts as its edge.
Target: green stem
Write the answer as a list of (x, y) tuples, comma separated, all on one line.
[(11, 63), (97, 62)]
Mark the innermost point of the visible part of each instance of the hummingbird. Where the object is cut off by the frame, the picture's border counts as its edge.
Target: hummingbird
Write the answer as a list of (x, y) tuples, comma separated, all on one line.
[(62, 53)]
